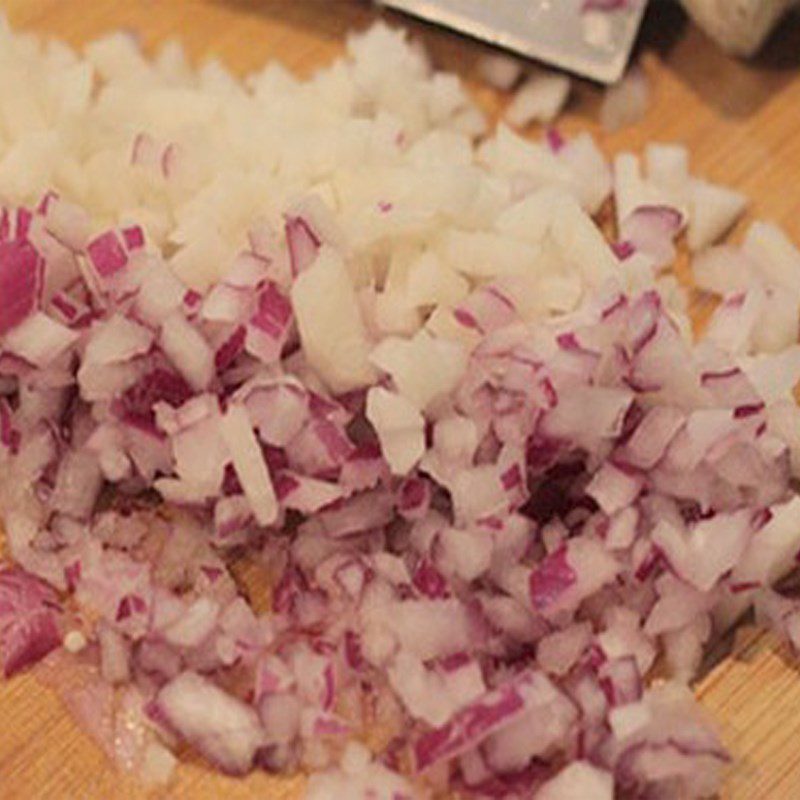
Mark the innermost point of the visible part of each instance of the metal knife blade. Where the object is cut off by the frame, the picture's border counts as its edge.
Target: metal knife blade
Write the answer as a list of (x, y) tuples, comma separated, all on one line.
[(596, 44)]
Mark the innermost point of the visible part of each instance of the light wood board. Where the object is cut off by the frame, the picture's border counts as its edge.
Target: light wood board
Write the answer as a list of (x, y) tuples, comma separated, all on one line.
[(742, 124)]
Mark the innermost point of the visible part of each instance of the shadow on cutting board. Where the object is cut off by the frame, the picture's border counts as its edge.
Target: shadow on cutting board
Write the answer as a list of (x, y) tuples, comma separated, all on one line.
[(735, 88)]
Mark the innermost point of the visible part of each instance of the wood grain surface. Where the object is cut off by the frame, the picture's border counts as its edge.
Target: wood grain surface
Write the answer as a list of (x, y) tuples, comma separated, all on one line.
[(742, 124)]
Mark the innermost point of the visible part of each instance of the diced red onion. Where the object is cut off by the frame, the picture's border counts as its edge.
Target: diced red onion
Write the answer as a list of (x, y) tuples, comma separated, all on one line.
[(483, 558), (21, 276), (303, 244), (107, 254), (651, 230), (473, 724), (29, 627)]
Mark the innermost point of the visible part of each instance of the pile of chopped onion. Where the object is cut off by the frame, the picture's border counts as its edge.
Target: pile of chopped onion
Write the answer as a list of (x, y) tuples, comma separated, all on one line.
[(487, 476)]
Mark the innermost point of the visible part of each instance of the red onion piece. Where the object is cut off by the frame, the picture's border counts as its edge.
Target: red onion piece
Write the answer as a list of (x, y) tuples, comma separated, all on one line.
[(651, 230), (470, 726), (21, 275), (29, 627), (303, 244), (269, 327), (107, 254)]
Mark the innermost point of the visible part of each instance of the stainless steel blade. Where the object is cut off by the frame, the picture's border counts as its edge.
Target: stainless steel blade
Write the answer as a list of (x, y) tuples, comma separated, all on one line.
[(596, 44)]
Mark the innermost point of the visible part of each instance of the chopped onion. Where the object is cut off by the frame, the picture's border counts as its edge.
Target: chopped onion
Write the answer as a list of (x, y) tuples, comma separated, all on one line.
[(500, 71), (249, 464), (28, 620), (188, 351), (383, 369), (579, 779), (223, 728), (651, 230), (20, 282), (400, 429), (540, 99), (714, 209), (472, 725)]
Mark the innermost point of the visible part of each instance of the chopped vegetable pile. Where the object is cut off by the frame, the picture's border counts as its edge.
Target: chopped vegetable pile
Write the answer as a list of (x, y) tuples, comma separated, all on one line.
[(336, 436)]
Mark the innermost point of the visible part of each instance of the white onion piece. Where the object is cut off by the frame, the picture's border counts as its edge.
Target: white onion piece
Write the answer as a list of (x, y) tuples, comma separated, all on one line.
[(447, 628), (777, 259), (306, 494), (782, 311), (668, 167), (733, 323), (770, 556), (630, 188), (198, 447), (613, 489), (480, 255), (557, 652), (652, 437), (712, 211), (711, 548), (773, 376), (78, 483), (423, 369), (680, 618), (225, 730), (723, 269), (331, 329), (466, 553), (400, 428), (39, 340), (225, 303), (160, 295), (278, 409), (500, 71), (579, 779), (158, 765), (249, 464), (541, 98), (116, 340), (194, 625), (187, 350), (590, 171)]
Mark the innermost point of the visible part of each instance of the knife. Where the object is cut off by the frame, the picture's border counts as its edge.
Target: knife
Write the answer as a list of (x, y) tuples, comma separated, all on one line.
[(593, 38)]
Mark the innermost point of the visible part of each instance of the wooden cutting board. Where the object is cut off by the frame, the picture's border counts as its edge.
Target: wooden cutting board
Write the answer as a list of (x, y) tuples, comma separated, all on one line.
[(742, 124)]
